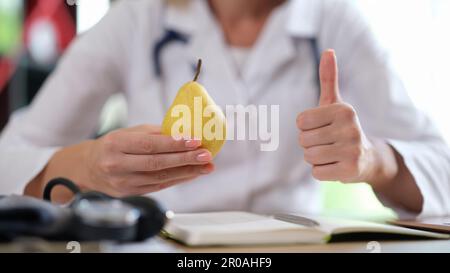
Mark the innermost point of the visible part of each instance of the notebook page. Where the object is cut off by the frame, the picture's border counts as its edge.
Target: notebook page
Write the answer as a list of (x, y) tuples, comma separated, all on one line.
[(229, 222)]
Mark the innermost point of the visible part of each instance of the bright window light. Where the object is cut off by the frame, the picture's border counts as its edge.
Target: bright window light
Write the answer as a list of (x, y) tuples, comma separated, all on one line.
[(416, 33)]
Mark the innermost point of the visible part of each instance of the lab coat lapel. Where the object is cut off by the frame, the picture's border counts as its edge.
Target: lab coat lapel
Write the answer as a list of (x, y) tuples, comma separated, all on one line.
[(276, 47)]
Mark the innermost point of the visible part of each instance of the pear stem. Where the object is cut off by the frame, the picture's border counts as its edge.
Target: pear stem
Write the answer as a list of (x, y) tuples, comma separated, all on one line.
[(199, 68)]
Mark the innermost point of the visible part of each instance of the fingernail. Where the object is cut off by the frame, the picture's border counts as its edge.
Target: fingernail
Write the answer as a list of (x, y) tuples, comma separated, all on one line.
[(206, 170), (192, 143), (204, 157)]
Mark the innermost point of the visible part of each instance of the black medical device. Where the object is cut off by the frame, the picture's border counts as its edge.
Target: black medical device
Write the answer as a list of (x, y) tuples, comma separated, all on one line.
[(91, 216)]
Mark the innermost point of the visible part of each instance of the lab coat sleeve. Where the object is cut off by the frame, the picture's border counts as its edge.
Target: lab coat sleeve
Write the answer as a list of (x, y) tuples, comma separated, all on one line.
[(67, 108), (368, 82)]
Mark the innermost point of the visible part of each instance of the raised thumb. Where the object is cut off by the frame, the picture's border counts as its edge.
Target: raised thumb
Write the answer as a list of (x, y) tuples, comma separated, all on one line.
[(328, 71)]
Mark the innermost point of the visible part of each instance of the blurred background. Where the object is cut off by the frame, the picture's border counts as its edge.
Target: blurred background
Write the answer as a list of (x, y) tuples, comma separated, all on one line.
[(34, 34)]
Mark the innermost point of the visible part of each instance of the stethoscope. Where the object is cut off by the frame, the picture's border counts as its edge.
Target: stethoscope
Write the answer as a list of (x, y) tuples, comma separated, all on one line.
[(169, 36)]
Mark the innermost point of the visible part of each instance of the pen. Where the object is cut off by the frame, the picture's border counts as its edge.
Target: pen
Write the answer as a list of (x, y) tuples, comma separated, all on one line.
[(295, 219)]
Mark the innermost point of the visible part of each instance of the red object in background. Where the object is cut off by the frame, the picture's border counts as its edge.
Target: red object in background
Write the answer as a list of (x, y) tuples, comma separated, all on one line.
[(61, 16), (55, 11), (6, 70)]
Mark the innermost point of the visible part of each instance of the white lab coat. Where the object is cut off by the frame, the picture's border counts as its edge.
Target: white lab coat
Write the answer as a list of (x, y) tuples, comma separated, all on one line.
[(116, 56)]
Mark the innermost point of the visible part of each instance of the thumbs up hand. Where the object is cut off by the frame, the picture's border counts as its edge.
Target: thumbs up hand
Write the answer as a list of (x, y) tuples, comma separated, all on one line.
[(332, 138)]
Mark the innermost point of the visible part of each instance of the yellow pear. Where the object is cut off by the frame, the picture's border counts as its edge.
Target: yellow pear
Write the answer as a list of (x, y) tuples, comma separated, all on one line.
[(194, 114)]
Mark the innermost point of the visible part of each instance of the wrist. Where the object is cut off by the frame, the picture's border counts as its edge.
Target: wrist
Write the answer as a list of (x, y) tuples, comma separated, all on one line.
[(68, 162), (383, 166), (82, 175)]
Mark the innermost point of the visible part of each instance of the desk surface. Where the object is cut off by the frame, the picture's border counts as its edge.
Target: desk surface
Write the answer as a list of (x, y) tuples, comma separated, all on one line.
[(442, 246), (162, 245)]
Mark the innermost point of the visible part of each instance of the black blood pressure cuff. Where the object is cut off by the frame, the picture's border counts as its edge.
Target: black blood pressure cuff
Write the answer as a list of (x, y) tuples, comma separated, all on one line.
[(92, 216), (26, 216)]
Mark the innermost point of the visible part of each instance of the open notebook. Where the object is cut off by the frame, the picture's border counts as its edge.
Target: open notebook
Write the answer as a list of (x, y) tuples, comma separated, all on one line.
[(241, 228)]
